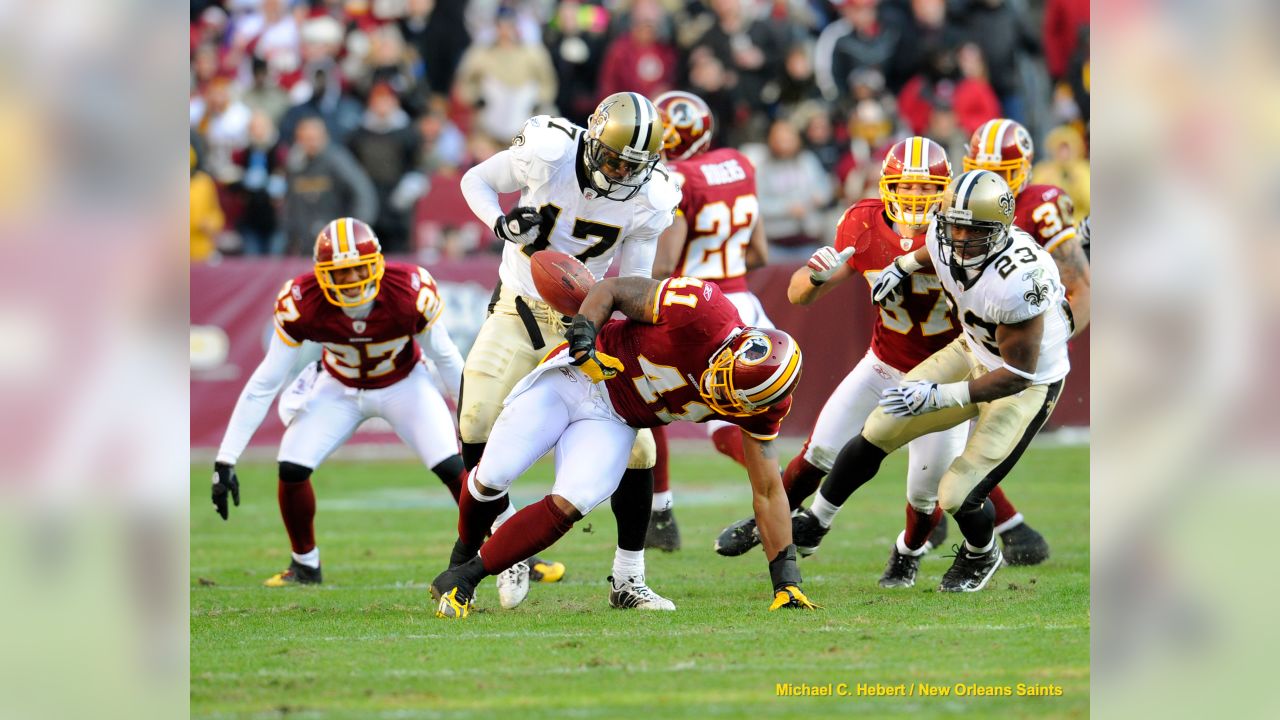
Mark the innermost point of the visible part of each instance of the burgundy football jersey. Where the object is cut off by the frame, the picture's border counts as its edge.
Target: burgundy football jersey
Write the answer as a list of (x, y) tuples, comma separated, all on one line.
[(919, 322), (664, 360), (719, 203), (1047, 214), (371, 352)]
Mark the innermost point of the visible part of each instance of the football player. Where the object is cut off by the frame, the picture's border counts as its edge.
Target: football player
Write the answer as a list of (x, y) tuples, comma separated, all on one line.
[(682, 353), (374, 319), (592, 193), (1005, 372), (717, 235), (907, 330), (1045, 212)]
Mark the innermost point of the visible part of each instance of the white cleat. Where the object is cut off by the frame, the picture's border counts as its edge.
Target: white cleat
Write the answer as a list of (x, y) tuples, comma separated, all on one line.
[(513, 585), (633, 594)]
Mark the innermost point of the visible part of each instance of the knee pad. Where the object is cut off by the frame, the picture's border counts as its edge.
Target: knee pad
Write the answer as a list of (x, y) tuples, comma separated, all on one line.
[(294, 473), (956, 485), (821, 457), (644, 452)]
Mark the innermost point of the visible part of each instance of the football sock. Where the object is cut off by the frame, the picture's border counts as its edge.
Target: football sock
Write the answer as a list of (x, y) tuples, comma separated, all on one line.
[(503, 516), (728, 441), (977, 525), (628, 564), (919, 526), (1005, 511), (801, 479), (452, 473), (662, 501), (857, 463), (631, 504), (310, 559), (534, 529), (471, 453), (477, 514), (984, 549), (823, 510), (904, 549), (661, 468), (298, 510), (1011, 523)]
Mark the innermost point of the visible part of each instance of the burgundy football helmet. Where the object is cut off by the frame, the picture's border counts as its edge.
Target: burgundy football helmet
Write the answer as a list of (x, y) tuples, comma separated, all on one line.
[(755, 370), (687, 124), (916, 160), (349, 243)]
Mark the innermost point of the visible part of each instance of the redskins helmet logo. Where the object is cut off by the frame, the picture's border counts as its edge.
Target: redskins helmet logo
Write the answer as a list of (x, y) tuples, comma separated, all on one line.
[(1006, 204), (682, 114), (755, 350)]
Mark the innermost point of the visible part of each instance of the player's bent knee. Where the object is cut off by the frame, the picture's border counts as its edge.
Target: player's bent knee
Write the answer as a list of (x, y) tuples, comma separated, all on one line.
[(293, 472), (821, 457), (475, 421), (644, 452), (885, 431), (956, 485), (568, 507), (922, 501)]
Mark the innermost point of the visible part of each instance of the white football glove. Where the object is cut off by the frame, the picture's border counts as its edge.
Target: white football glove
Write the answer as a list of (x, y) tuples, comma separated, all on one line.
[(825, 262), (916, 397), (888, 281)]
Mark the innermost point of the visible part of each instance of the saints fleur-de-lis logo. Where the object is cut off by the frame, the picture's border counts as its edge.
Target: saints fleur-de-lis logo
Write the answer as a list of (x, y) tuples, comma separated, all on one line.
[(1038, 293), (1006, 204)]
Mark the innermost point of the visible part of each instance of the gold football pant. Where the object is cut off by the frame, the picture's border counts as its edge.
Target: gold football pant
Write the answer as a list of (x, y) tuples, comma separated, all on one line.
[(502, 354), (1002, 430)]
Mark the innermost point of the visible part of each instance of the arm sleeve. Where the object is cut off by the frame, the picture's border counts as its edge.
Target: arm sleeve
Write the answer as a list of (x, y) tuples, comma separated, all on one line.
[(438, 346), (482, 184), (636, 257), (255, 399)]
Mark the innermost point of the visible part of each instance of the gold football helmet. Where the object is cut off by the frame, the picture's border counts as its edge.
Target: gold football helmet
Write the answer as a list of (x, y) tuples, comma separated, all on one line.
[(974, 222), (624, 143)]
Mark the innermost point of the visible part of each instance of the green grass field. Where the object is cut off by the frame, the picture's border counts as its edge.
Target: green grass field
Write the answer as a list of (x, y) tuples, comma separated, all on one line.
[(365, 644)]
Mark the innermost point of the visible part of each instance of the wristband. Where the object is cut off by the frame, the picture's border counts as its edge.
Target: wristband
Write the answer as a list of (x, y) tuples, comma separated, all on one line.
[(954, 394), (908, 263)]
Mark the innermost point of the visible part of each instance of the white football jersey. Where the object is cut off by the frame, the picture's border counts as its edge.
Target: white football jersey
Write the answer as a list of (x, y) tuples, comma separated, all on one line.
[(545, 160), (1019, 284)]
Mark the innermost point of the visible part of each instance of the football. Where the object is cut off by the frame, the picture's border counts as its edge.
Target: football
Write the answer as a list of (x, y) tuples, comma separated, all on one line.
[(562, 280)]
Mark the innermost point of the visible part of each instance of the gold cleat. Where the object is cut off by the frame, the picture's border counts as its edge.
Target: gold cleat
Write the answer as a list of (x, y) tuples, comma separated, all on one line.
[(453, 608), (546, 571), (791, 597)]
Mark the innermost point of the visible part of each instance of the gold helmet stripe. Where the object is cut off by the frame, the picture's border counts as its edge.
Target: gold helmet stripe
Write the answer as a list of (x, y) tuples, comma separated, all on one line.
[(340, 236), (780, 381), (914, 159)]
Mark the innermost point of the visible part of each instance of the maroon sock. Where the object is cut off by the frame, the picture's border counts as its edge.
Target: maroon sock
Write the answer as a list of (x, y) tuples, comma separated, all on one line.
[(801, 479), (456, 485), (475, 517), (661, 471), (534, 529), (298, 510), (920, 525), (1004, 509), (728, 441)]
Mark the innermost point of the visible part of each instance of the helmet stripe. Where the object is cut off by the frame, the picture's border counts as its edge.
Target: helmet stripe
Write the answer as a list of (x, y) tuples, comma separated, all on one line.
[(342, 237), (965, 189), (781, 381), (644, 123), (989, 144), (916, 152)]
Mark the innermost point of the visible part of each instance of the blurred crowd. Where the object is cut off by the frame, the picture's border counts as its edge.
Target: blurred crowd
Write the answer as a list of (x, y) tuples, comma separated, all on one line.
[(306, 110)]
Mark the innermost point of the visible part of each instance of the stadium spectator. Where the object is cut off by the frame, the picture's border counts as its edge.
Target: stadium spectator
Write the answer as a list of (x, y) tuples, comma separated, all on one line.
[(322, 96), (797, 84), (927, 29), (387, 145), (709, 79), (793, 190), (1066, 165), (751, 48), (325, 182), (206, 213), (260, 189), (576, 46), (942, 82), (437, 31), (388, 63), (642, 60), (270, 33), (819, 136), (443, 144), (264, 94), (1063, 22), (507, 81), (1003, 32), (864, 36), (223, 123), (871, 134)]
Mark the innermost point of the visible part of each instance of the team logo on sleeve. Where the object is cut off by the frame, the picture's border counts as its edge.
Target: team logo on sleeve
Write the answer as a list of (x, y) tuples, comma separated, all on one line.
[(1038, 293)]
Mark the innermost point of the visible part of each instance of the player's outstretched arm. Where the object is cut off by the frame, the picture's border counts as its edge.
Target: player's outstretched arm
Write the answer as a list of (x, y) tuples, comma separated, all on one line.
[(825, 270), (631, 296), (768, 498), (1073, 267), (482, 184), (670, 243)]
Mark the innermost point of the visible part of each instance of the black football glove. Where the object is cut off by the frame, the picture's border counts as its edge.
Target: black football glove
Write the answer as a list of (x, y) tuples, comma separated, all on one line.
[(225, 483), (596, 365), (520, 226)]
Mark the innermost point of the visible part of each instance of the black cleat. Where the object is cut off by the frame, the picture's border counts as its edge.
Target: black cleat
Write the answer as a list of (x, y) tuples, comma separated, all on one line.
[(1024, 546), (901, 570), (806, 532), (455, 589), (939, 534), (738, 538), (663, 533), (297, 574), (971, 571)]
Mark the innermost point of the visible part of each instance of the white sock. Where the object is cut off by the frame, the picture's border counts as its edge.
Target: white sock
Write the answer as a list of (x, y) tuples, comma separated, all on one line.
[(904, 550), (662, 501), (823, 510), (1009, 524), (627, 564), (505, 516), (310, 559), (981, 550)]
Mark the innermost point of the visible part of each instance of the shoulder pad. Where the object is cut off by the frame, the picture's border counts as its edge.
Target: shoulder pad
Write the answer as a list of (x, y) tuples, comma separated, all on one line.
[(546, 138), (662, 193)]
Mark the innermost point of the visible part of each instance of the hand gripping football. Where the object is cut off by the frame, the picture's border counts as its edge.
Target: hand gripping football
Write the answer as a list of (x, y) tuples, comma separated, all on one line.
[(562, 280)]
